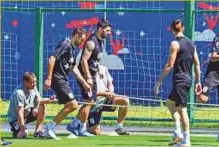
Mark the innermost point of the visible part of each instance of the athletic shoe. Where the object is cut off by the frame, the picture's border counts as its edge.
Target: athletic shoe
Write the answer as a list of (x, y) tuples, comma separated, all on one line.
[(40, 134), (50, 131), (74, 126), (121, 131), (217, 139), (85, 133), (183, 144), (175, 139)]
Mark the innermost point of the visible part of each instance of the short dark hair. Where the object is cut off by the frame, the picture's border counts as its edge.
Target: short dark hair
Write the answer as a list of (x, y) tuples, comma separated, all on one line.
[(79, 31), (103, 23), (174, 24), (28, 75)]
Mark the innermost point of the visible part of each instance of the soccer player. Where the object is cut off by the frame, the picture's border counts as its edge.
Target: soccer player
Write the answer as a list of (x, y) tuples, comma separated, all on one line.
[(59, 65), (211, 79), (88, 66), (182, 56), (105, 95), (26, 106)]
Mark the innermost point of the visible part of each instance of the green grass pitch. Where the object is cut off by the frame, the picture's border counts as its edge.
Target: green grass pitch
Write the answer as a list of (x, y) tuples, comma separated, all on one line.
[(107, 141)]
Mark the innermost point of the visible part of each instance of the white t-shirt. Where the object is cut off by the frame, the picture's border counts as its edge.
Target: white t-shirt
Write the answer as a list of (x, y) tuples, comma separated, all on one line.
[(103, 78), (22, 97)]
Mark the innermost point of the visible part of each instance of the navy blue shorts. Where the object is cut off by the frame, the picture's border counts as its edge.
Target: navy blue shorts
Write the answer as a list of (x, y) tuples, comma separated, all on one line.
[(95, 117), (62, 90), (180, 93), (93, 95), (211, 81)]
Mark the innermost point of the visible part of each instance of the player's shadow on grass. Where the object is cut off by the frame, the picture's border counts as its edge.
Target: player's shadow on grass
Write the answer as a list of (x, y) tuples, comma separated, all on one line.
[(30, 137), (157, 140), (8, 137), (142, 144), (207, 145), (62, 134)]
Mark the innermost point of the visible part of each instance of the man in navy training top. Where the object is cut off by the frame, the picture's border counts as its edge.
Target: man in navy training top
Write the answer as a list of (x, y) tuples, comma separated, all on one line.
[(88, 66), (59, 65), (211, 79), (182, 56)]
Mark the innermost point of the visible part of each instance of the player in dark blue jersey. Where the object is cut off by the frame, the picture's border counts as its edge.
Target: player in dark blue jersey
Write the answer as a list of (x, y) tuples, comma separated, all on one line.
[(182, 56), (88, 66), (59, 66), (211, 79)]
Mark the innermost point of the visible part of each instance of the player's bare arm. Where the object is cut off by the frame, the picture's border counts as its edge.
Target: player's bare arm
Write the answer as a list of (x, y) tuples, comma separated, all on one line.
[(197, 67), (41, 101), (198, 88), (108, 95), (89, 47), (110, 86), (36, 105), (80, 78), (20, 115), (37, 99), (51, 64), (48, 100), (174, 47), (214, 57), (101, 94)]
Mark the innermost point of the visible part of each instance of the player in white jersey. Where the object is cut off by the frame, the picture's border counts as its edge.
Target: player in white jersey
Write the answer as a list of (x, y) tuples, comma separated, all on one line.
[(106, 95)]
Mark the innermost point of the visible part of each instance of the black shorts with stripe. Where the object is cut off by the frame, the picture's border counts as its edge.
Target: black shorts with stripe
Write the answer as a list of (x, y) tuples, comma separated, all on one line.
[(62, 90), (211, 80), (94, 118), (93, 94)]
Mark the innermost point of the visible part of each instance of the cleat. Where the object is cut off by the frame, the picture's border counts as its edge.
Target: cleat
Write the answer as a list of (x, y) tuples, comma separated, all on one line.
[(121, 131)]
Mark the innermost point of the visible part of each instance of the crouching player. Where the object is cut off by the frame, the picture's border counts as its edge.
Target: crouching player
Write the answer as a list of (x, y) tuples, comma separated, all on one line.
[(26, 106), (105, 97)]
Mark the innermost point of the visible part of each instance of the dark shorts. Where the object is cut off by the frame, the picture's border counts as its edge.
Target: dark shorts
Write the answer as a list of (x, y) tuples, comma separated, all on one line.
[(211, 81), (180, 93), (14, 124), (62, 90), (93, 94), (95, 117)]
